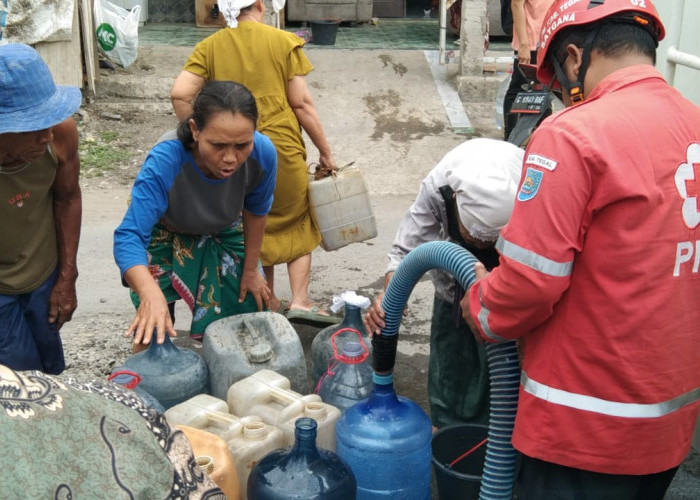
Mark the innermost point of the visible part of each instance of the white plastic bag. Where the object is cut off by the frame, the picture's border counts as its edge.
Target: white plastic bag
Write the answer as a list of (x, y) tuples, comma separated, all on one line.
[(117, 31)]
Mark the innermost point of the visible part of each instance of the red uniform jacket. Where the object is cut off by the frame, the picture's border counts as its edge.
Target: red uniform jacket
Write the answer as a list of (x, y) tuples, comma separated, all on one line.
[(599, 277)]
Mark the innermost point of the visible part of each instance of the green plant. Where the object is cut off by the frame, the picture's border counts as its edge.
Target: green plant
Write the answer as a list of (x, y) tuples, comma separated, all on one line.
[(101, 154)]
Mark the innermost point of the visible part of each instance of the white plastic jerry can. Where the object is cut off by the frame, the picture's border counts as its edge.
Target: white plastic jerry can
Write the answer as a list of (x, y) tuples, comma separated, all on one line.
[(267, 394), (341, 208), (249, 439)]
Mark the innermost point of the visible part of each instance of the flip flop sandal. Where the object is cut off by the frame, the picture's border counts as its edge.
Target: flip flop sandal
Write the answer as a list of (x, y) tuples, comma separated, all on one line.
[(283, 308), (311, 317)]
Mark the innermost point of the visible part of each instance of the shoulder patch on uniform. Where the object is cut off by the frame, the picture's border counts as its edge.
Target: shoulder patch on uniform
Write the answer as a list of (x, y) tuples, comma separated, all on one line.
[(541, 161), (531, 184)]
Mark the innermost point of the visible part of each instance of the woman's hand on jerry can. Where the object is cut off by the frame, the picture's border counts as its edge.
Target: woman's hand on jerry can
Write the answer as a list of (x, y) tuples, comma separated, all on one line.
[(152, 316), (253, 282)]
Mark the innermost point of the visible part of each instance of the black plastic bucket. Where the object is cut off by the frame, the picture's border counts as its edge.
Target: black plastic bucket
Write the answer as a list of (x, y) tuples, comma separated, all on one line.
[(324, 31), (463, 480)]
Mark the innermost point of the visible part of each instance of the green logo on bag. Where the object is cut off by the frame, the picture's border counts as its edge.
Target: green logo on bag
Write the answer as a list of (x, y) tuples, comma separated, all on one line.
[(106, 37)]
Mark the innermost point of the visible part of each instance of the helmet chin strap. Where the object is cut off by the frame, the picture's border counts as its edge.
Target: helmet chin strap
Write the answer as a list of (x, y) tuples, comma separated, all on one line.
[(575, 88)]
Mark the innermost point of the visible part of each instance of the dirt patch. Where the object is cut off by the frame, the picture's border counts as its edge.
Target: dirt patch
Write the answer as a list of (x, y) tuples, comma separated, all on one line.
[(115, 142), (399, 68), (128, 114), (159, 61)]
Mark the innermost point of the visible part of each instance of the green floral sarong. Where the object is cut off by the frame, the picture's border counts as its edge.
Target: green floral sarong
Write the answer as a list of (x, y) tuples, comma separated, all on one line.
[(204, 271)]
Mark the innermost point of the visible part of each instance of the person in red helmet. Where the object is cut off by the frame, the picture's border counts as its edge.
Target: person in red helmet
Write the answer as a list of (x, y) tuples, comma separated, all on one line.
[(599, 273)]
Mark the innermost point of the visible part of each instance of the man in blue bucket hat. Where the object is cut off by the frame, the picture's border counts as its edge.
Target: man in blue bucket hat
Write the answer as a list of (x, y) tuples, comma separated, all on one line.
[(40, 210)]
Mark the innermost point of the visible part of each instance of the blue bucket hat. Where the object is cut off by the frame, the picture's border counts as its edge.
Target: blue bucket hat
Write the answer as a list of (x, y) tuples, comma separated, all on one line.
[(30, 100)]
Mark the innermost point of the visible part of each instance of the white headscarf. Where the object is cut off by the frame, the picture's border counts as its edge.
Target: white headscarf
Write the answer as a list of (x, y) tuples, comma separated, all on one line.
[(485, 175), (231, 10)]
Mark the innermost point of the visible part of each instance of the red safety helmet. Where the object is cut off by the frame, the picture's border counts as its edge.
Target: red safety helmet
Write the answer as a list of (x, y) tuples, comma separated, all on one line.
[(565, 13)]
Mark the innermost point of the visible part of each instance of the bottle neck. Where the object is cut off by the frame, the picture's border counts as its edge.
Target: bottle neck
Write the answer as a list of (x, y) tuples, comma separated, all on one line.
[(305, 439), (353, 319), (383, 392), (155, 349), (352, 353)]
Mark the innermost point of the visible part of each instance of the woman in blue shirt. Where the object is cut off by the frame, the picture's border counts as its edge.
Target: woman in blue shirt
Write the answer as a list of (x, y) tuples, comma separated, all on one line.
[(194, 226)]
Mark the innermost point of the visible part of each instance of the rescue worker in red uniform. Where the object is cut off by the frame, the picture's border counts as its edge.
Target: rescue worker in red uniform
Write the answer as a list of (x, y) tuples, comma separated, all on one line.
[(599, 271)]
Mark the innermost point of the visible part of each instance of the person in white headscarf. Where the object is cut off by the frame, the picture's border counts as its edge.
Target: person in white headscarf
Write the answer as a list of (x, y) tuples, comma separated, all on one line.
[(271, 63), (231, 9), (466, 199)]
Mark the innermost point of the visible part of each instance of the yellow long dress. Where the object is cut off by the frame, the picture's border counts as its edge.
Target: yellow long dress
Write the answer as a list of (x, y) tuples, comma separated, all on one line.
[(263, 59)]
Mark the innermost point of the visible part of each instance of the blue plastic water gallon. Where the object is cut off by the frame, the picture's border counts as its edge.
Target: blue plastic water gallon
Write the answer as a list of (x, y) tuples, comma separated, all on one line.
[(169, 373), (322, 349), (348, 378), (386, 442), (302, 472)]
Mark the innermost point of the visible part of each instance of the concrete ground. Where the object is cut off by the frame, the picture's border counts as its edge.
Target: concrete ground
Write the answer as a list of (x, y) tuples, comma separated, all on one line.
[(380, 109)]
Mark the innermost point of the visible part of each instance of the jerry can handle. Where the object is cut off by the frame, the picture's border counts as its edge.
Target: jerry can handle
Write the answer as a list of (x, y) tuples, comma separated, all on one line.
[(317, 172)]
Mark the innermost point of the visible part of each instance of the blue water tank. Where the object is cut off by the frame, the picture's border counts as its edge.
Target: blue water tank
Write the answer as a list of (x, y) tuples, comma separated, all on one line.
[(386, 442), (302, 472), (169, 373)]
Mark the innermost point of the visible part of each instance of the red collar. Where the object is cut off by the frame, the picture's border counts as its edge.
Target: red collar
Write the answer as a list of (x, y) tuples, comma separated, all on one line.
[(623, 77)]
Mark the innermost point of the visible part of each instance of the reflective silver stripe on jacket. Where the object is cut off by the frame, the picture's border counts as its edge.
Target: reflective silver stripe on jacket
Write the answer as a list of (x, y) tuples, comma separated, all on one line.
[(483, 318), (612, 408), (533, 260)]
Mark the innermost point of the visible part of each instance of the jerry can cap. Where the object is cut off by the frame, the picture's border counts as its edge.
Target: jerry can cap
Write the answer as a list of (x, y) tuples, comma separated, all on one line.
[(260, 352)]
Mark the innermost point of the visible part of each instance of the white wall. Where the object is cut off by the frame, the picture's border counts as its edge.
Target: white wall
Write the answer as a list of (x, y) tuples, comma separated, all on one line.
[(689, 41)]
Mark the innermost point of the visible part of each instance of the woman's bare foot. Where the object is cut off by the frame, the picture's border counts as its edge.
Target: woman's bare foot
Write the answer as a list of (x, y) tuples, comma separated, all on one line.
[(312, 308)]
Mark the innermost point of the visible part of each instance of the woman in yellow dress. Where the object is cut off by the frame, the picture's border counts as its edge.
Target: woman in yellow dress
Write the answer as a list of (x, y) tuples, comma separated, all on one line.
[(272, 64)]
